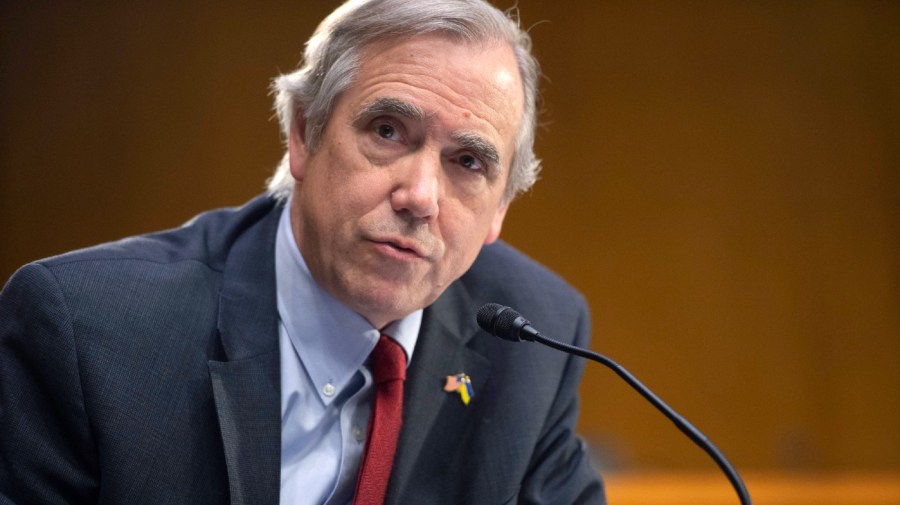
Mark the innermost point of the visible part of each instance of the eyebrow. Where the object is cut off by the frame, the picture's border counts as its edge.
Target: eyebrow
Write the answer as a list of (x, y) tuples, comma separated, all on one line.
[(481, 147), (388, 105)]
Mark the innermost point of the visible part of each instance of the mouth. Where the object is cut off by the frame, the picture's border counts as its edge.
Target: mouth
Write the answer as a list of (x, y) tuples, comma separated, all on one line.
[(400, 248)]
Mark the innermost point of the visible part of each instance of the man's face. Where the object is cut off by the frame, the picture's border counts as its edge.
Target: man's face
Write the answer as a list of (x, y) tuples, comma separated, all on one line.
[(407, 181)]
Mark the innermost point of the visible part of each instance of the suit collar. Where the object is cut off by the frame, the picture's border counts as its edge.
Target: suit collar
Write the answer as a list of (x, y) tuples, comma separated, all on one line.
[(248, 317), (246, 386)]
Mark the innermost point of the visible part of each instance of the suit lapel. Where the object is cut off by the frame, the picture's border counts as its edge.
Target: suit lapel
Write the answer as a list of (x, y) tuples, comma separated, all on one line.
[(428, 411), (247, 386)]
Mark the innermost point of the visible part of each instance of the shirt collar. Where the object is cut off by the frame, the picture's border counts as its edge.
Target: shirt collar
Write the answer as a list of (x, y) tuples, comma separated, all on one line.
[(331, 340)]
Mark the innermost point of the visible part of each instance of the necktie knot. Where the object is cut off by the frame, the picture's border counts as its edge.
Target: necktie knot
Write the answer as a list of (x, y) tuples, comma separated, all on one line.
[(388, 361)]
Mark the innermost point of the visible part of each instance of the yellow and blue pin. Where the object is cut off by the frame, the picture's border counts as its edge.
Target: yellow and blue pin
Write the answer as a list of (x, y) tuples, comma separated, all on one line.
[(460, 383)]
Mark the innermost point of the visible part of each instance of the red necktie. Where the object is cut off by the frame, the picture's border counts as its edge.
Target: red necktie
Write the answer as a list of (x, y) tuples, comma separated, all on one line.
[(389, 369)]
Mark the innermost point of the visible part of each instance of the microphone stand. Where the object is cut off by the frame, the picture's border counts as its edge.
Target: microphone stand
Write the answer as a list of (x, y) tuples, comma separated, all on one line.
[(686, 427)]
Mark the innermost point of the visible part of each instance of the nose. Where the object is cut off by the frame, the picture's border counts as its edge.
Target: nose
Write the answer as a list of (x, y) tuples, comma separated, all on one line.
[(417, 188)]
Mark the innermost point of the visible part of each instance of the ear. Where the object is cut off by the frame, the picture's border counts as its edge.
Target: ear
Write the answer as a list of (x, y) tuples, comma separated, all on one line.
[(298, 152), (496, 224)]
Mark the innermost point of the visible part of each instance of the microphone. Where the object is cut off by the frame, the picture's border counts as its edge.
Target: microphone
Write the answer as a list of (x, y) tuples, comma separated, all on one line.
[(505, 323), (508, 324)]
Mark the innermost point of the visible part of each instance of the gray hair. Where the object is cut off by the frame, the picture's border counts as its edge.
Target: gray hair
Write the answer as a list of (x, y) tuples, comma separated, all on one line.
[(331, 60)]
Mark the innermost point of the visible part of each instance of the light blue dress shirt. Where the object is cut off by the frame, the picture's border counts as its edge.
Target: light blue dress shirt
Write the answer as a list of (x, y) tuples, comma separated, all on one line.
[(326, 383)]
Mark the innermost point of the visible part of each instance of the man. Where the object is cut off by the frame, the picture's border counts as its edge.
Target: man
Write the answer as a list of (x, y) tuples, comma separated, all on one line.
[(240, 358)]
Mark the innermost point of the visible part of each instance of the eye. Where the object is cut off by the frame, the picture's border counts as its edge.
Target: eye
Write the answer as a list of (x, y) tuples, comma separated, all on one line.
[(387, 131), (470, 162)]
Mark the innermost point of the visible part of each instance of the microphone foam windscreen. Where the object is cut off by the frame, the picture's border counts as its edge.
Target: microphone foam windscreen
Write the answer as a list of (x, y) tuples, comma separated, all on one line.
[(487, 315), (506, 324)]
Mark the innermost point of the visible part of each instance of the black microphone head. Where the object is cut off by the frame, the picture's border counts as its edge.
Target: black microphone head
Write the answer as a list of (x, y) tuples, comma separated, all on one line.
[(487, 316), (502, 321)]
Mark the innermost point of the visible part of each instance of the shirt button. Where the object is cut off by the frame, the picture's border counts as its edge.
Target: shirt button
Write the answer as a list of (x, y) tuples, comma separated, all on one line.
[(358, 433), (328, 389)]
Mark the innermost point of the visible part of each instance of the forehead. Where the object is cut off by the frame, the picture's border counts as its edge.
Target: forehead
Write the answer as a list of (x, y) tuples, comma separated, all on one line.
[(462, 85)]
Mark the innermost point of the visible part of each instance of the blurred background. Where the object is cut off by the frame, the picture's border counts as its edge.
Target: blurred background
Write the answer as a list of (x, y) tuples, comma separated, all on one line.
[(722, 182)]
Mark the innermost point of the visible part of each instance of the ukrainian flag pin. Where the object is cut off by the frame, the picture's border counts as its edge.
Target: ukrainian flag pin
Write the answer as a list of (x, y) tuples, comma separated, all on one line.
[(460, 383)]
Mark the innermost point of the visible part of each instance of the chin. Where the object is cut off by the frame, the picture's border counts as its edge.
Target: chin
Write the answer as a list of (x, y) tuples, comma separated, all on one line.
[(380, 296), (371, 303)]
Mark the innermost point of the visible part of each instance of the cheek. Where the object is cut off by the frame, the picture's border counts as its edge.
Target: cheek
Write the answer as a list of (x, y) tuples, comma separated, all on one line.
[(351, 174), (464, 234)]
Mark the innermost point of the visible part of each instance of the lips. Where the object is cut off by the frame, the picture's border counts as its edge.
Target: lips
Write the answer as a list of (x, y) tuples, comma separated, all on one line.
[(402, 246)]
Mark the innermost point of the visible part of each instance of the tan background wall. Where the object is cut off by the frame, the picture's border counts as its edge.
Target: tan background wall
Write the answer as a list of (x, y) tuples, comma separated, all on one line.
[(722, 181)]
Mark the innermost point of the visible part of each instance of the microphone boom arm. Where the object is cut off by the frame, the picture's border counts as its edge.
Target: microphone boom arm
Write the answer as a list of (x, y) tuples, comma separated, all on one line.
[(680, 422)]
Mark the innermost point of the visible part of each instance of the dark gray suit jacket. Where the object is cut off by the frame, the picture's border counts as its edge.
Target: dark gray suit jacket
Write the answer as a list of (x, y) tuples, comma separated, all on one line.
[(147, 371)]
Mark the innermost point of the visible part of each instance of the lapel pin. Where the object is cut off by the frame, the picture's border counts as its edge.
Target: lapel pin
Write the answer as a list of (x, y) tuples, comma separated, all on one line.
[(460, 383)]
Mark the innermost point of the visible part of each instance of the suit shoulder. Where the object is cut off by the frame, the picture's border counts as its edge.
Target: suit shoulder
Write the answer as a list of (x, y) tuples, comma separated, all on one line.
[(506, 275), (205, 238)]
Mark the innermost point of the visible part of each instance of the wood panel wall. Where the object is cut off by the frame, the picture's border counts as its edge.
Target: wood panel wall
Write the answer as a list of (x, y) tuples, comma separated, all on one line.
[(722, 181)]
